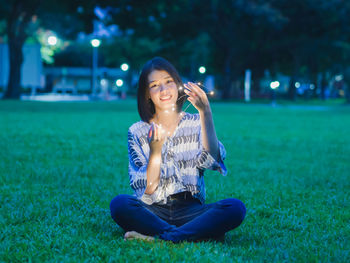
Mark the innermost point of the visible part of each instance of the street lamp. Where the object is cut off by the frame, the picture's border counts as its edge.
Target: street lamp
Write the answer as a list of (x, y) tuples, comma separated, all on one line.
[(52, 40), (119, 82), (95, 43), (274, 85), (124, 67), (202, 69)]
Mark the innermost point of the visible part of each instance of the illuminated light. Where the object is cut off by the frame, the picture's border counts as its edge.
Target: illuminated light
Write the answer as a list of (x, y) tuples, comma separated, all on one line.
[(95, 42), (181, 88), (52, 40), (297, 85), (103, 82), (202, 69), (124, 67), (119, 82), (199, 83), (212, 93), (274, 84), (312, 86), (339, 78)]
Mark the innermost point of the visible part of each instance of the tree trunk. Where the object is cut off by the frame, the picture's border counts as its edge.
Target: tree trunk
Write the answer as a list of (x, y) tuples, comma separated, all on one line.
[(17, 23), (292, 94), (15, 62), (323, 86), (347, 86), (292, 91)]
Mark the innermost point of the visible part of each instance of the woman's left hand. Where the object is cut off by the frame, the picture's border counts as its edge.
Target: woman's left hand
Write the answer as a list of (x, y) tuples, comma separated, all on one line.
[(197, 97)]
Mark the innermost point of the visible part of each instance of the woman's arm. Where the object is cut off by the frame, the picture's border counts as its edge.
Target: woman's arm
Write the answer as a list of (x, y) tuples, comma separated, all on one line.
[(209, 139), (156, 140), (200, 101), (153, 173)]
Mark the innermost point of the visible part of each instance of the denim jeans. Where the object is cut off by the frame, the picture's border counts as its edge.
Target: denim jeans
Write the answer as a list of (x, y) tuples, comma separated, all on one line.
[(185, 220)]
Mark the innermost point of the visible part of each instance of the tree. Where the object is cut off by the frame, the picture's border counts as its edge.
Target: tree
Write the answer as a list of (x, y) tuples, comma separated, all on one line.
[(307, 45), (23, 17)]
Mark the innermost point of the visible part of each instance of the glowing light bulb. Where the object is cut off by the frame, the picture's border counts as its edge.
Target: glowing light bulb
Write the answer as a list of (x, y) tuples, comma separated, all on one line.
[(181, 88), (124, 67), (95, 42), (52, 40), (202, 70), (212, 93), (274, 84), (199, 83)]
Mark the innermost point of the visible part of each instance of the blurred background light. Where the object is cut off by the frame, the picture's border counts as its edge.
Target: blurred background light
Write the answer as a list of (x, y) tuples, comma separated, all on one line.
[(95, 42), (274, 84), (119, 82), (124, 67), (52, 40), (202, 69)]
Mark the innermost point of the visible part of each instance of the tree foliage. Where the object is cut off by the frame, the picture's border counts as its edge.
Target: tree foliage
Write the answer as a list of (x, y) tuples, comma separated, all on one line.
[(22, 17), (301, 38)]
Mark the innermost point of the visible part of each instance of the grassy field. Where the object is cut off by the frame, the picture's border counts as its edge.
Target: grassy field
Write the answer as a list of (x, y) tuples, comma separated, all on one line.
[(62, 163)]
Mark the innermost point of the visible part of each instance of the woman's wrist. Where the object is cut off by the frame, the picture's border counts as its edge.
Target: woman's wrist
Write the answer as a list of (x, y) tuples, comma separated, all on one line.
[(155, 155), (205, 112)]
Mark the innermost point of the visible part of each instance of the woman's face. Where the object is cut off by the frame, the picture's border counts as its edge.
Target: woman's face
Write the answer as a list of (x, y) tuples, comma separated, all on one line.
[(162, 90)]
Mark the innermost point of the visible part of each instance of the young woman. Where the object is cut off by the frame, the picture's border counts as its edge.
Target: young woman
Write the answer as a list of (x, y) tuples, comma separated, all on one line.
[(168, 153)]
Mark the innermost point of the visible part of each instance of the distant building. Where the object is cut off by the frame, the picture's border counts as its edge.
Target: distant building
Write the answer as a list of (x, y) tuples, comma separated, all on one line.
[(78, 80)]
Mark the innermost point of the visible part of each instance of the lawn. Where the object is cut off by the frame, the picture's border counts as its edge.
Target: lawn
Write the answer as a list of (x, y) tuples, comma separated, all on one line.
[(62, 163)]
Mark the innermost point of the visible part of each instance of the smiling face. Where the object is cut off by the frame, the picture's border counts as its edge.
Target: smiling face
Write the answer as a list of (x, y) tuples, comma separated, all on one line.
[(162, 90)]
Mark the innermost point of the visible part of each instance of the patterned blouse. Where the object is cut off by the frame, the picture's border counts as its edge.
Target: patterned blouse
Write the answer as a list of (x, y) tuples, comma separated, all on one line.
[(183, 161)]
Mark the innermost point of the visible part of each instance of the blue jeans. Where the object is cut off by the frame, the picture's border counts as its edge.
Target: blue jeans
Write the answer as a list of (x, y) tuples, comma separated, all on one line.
[(184, 220)]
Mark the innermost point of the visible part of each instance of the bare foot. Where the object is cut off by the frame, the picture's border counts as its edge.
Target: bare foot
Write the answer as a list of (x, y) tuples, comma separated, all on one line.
[(135, 235)]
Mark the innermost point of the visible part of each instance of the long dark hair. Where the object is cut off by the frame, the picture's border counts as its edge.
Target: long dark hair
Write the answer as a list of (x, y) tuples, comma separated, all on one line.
[(144, 103)]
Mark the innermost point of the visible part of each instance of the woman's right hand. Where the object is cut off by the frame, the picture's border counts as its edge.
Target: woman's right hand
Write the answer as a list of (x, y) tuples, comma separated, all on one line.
[(156, 137)]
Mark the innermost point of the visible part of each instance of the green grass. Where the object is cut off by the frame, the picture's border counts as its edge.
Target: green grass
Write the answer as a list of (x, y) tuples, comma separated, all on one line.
[(62, 163)]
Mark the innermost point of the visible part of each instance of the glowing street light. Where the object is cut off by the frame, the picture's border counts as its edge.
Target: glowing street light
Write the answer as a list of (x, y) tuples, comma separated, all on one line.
[(52, 40), (124, 67), (274, 85), (119, 82), (297, 85), (202, 69), (95, 43)]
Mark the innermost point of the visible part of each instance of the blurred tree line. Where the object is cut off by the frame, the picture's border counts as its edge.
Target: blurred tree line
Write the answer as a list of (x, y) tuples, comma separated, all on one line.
[(301, 38)]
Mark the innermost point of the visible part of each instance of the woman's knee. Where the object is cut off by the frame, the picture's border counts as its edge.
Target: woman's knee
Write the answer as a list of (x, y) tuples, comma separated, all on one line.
[(235, 208), (119, 205)]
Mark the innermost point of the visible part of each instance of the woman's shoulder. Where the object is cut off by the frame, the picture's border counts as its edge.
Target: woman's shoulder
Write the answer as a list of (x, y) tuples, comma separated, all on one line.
[(139, 127)]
